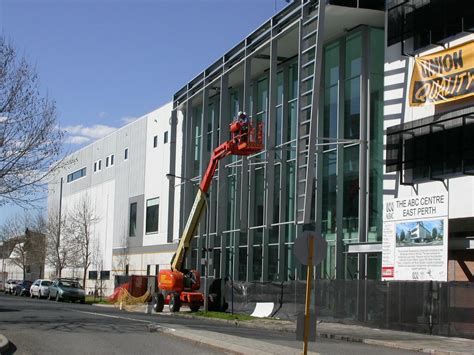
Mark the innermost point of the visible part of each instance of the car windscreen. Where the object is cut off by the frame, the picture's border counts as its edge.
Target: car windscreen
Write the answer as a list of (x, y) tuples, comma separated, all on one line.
[(45, 283), (72, 284)]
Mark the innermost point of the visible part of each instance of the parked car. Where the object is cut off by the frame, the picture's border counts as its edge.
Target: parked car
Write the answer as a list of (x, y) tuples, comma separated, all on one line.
[(10, 286), (66, 290), (40, 288), (23, 288)]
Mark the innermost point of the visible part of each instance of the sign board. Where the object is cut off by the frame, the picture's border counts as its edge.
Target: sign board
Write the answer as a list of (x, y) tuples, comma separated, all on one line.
[(444, 76), (302, 248), (415, 238)]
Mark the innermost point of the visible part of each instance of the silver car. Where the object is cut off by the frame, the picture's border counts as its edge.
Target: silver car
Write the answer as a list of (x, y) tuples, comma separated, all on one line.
[(40, 288)]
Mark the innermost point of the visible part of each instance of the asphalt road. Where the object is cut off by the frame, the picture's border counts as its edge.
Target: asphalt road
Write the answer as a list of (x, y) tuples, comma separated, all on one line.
[(43, 327)]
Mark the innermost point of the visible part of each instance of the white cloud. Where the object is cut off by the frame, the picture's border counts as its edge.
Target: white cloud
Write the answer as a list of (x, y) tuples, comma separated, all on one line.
[(77, 140), (129, 119), (80, 134), (103, 114), (92, 132)]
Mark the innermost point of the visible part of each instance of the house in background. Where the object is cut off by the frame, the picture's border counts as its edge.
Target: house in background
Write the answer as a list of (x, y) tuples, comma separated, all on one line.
[(23, 257)]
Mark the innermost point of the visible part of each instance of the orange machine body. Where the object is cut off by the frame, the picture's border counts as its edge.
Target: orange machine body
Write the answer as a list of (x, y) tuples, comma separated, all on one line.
[(173, 280)]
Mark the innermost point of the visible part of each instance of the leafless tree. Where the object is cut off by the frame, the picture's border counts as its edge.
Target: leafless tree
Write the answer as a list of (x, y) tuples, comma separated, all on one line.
[(122, 259), (30, 140), (82, 218), (98, 264), (59, 243)]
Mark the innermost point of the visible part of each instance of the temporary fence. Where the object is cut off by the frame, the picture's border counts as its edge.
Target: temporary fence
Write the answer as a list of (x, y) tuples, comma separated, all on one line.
[(132, 291), (442, 308)]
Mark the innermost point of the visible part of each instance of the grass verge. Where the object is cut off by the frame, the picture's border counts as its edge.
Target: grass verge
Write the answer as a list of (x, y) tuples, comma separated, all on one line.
[(91, 300), (222, 315)]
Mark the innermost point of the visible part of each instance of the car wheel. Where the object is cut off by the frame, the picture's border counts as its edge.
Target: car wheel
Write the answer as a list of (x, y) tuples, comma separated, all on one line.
[(58, 299), (158, 302), (175, 303), (194, 307)]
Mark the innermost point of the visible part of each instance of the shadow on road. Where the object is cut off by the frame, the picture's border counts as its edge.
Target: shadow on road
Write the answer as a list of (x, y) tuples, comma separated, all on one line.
[(2, 309), (11, 349)]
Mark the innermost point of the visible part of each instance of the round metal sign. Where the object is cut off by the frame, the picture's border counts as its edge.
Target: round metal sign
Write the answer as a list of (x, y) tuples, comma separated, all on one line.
[(320, 247)]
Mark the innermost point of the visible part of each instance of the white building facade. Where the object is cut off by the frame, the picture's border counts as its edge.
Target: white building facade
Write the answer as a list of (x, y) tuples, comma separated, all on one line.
[(123, 179)]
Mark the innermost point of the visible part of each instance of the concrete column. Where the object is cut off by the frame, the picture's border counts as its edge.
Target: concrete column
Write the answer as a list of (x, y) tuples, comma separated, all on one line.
[(363, 164), (172, 170), (340, 167), (270, 153), (283, 175), (222, 195)]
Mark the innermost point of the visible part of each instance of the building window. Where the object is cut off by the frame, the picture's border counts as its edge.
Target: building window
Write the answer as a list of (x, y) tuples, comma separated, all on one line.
[(127, 267), (152, 211), (157, 269), (76, 175), (111, 160), (95, 167), (125, 154), (132, 232), (165, 137), (106, 162), (100, 165), (155, 141), (432, 148), (148, 269), (92, 275), (105, 275)]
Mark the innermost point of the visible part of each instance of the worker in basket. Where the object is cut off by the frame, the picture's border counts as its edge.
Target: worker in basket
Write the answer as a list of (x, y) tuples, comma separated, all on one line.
[(240, 127)]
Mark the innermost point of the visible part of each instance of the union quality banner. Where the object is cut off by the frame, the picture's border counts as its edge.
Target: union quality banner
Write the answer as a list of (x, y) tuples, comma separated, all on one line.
[(415, 238), (444, 76)]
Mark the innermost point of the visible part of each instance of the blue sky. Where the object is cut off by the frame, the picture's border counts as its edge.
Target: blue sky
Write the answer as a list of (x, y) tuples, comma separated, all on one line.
[(106, 62)]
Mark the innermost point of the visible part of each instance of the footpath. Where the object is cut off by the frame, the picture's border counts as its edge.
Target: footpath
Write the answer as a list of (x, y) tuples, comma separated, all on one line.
[(425, 343)]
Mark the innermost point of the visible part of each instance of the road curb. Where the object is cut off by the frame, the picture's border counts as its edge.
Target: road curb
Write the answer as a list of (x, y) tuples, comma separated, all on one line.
[(4, 343), (388, 344)]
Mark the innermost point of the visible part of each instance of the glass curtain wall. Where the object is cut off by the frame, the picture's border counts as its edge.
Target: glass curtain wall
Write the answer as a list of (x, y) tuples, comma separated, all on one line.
[(343, 61), (339, 175)]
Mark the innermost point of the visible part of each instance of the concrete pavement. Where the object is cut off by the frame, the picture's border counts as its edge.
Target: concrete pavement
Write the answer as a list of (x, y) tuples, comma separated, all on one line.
[(352, 333)]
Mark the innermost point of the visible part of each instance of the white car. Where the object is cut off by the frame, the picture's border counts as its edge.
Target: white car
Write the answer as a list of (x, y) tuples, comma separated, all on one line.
[(40, 288), (10, 286)]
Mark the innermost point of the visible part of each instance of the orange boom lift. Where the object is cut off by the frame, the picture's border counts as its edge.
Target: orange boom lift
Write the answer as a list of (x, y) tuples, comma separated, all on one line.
[(179, 286)]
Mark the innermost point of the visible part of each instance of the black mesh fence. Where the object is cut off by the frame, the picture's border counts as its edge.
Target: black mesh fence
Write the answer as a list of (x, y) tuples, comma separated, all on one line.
[(427, 307)]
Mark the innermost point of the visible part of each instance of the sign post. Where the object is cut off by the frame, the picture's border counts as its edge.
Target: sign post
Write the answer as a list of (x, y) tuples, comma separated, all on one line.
[(310, 249)]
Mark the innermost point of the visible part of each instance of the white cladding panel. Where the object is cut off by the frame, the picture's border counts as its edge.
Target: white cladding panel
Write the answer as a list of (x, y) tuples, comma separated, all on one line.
[(157, 166)]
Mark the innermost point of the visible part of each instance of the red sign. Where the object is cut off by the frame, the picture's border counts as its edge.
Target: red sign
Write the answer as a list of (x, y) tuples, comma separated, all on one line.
[(388, 271)]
